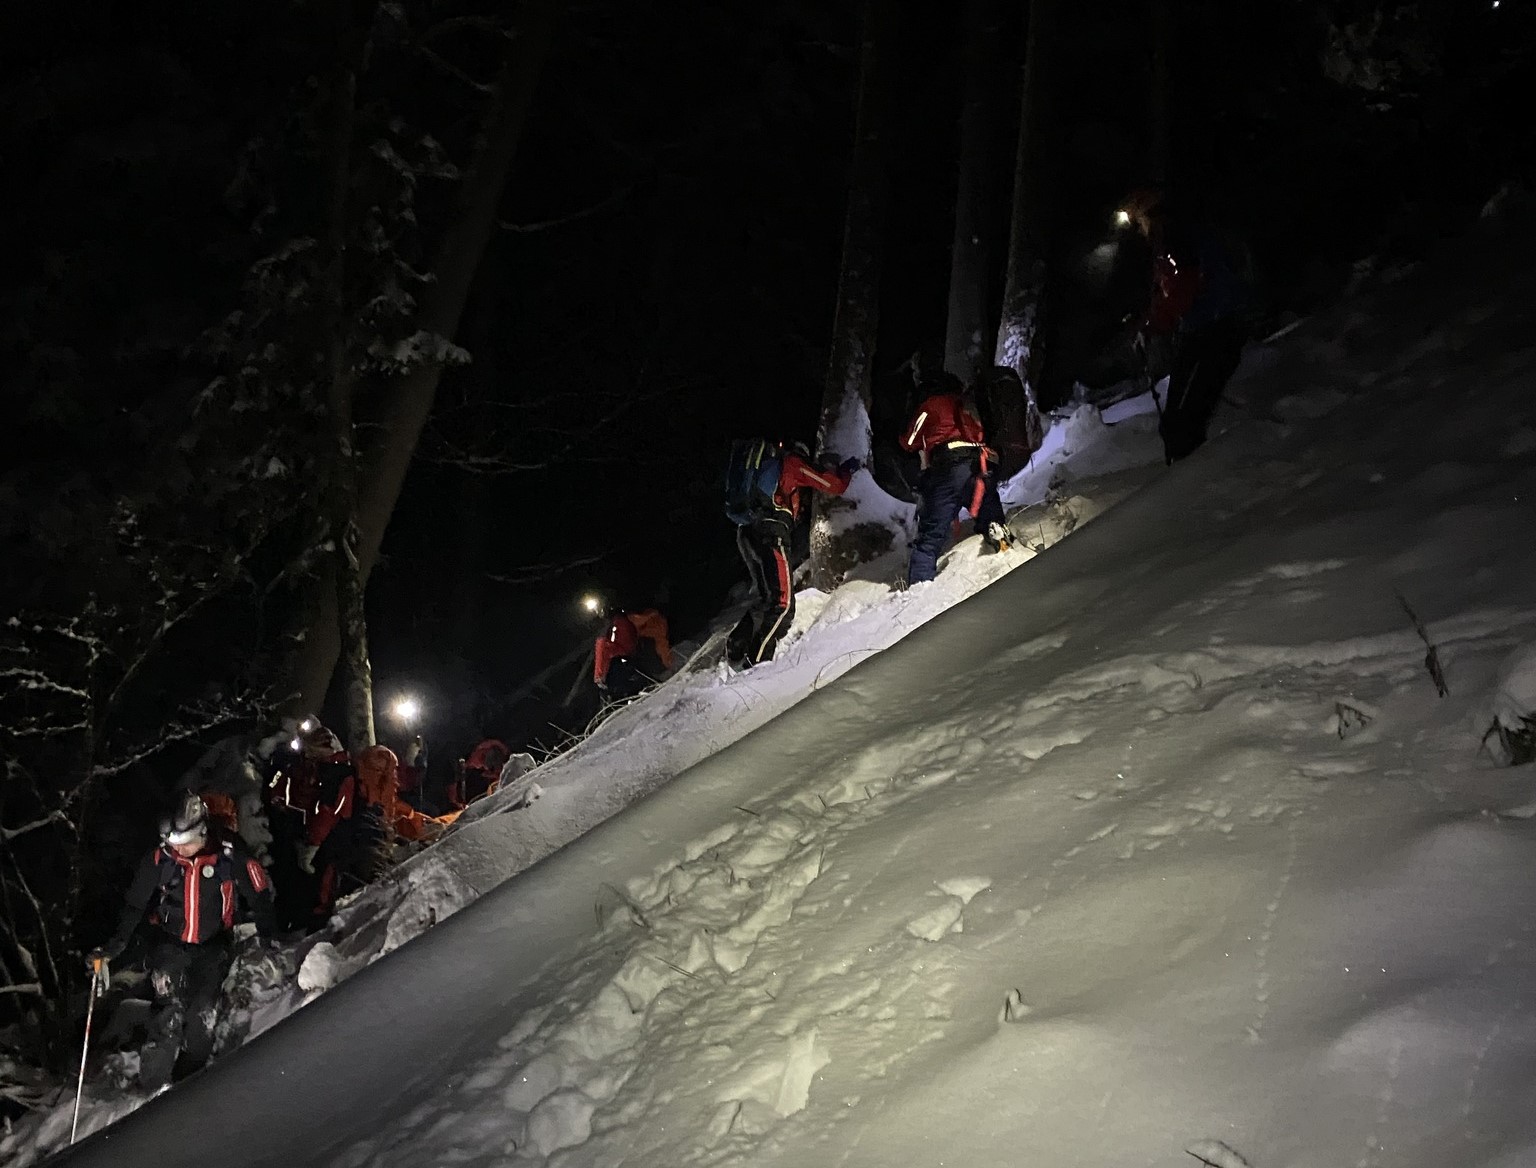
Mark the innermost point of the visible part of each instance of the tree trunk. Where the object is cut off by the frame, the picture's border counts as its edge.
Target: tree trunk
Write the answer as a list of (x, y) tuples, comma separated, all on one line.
[(1018, 331), (964, 343), (847, 397), (352, 628), (407, 399)]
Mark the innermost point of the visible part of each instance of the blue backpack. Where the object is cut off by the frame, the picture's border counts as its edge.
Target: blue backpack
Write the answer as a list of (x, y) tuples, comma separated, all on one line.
[(751, 480)]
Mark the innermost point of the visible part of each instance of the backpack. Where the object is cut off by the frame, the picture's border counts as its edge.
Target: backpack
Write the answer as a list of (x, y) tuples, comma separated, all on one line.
[(751, 480)]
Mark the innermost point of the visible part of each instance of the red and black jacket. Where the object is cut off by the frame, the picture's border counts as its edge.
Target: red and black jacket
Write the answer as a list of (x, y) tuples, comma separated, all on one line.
[(195, 900), (619, 640), (944, 420), (795, 473)]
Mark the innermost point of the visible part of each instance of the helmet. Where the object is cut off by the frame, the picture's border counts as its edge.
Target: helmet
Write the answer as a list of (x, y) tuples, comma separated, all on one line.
[(188, 824), (1140, 206), (938, 381), (800, 450), (378, 769), (489, 756), (318, 742), (377, 758)]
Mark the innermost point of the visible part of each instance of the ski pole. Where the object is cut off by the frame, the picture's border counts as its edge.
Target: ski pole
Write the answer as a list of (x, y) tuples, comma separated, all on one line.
[(90, 1010), (1146, 379)]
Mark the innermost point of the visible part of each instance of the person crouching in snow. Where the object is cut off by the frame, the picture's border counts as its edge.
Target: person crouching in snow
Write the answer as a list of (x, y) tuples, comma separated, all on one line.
[(631, 652), (956, 464), (188, 889), (763, 489)]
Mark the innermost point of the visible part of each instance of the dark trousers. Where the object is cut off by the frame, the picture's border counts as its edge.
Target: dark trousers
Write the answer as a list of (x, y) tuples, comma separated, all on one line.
[(625, 678), (187, 981), (765, 552), (1203, 362), (949, 484)]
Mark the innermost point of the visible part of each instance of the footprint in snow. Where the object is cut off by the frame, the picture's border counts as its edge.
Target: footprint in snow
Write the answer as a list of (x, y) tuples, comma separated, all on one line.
[(949, 916)]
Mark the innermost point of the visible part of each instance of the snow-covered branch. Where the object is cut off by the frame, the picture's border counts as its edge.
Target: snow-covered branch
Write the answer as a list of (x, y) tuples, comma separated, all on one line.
[(537, 573), (597, 208), (9, 833)]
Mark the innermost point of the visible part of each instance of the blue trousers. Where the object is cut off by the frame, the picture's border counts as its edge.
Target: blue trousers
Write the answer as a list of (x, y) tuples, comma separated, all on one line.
[(946, 486)]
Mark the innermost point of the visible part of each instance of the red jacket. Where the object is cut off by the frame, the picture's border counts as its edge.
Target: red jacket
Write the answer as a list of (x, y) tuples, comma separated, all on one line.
[(308, 781), (193, 898), (622, 639), (480, 773), (943, 420), (1175, 287), (795, 473), (376, 783)]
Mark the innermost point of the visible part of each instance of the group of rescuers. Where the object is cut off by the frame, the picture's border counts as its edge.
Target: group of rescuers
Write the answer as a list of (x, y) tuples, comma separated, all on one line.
[(201, 894), (1197, 293), (334, 818)]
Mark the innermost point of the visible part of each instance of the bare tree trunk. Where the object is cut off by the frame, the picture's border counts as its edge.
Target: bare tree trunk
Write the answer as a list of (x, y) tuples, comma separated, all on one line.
[(407, 399), (965, 348), (1019, 328), (352, 628), (847, 395)]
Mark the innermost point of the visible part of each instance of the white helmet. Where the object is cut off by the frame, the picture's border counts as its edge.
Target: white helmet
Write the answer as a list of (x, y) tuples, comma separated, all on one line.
[(188, 824)]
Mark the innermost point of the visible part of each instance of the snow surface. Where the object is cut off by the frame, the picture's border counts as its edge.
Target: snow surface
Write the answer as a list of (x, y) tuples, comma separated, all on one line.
[(1163, 845)]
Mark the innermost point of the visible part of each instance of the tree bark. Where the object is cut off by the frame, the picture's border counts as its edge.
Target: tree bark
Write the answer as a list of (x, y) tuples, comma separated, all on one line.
[(847, 396), (408, 398), (964, 339), (352, 627), (1018, 333)]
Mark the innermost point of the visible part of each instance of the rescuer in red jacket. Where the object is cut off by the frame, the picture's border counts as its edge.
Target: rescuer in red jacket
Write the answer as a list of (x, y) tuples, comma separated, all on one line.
[(763, 541), (947, 435), (354, 833), (190, 889), (1197, 297), (631, 652), (479, 774)]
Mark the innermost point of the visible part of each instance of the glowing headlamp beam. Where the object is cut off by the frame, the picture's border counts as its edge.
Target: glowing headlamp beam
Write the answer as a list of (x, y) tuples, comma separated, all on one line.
[(405, 709), (1122, 218), (592, 603)]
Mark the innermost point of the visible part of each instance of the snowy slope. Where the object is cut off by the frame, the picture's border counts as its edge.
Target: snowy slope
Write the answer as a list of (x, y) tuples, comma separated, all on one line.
[(1162, 840), (1086, 467)]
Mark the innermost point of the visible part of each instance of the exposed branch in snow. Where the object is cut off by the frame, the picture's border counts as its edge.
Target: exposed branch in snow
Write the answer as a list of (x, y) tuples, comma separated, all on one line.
[(1431, 658), (1215, 1154)]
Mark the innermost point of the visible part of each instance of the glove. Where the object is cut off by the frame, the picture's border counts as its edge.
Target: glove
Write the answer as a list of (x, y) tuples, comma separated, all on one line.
[(848, 466), (307, 859), (99, 962)]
